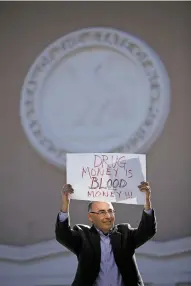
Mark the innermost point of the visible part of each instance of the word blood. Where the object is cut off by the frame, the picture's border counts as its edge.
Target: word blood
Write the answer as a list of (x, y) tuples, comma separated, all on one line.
[(110, 184)]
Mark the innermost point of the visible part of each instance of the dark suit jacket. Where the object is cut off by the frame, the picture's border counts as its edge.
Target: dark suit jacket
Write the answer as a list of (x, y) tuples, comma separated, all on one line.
[(84, 242)]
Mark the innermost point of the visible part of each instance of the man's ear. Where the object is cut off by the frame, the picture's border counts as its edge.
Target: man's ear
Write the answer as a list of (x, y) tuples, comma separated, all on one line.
[(89, 217)]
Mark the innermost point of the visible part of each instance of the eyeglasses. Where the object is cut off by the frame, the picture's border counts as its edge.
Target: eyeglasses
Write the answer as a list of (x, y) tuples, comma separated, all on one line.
[(104, 213)]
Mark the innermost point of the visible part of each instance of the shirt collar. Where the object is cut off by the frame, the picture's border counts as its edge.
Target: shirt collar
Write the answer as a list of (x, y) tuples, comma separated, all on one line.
[(102, 233)]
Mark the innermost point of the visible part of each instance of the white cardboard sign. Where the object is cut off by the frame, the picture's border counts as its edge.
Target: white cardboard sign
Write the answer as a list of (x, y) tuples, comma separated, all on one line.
[(111, 177)]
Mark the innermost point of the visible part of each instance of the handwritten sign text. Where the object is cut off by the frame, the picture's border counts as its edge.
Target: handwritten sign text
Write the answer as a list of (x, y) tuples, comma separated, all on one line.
[(106, 177)]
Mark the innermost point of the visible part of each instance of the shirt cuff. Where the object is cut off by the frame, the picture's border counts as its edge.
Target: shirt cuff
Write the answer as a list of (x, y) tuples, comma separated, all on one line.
[(62, 216), (149, 212)]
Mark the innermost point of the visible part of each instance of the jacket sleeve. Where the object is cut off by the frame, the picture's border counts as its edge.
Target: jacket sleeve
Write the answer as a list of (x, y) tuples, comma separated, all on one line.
[(67, 236), (146, 229)]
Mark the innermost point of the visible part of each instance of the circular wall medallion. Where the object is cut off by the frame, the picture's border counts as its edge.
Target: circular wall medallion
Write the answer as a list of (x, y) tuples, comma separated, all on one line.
[(94, 90)]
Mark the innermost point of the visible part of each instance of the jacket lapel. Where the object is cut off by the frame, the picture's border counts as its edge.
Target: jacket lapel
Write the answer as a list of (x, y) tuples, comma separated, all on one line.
[(116, 245), (95, 241)]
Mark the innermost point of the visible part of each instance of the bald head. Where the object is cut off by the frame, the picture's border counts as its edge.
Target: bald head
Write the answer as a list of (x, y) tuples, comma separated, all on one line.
[(94, 204)]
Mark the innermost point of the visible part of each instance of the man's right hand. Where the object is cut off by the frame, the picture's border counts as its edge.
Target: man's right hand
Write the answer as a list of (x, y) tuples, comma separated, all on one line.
[(66, 193)]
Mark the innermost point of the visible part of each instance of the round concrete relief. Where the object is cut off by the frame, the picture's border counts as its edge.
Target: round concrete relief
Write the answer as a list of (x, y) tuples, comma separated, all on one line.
[(94, 90)]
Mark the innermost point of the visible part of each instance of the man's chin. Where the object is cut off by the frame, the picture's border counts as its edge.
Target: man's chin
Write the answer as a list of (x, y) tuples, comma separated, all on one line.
[(108, 226)]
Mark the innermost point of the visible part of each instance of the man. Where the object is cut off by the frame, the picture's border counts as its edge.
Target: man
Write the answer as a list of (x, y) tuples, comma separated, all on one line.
[(105, 252)]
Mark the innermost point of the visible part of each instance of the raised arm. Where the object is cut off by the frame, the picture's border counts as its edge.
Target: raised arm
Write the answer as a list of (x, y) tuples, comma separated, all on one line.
[(65, 235), (147, 226)]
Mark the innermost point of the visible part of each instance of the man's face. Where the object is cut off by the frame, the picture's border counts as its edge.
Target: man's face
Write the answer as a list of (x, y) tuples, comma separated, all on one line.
[(103, 218)]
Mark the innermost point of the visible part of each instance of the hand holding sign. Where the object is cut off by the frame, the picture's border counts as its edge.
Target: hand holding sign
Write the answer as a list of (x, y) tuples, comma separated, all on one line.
[(145, 187), (66, 195)]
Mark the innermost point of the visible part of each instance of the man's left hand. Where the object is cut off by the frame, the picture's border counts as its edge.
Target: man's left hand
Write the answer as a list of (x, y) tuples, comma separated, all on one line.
[(145, 187)]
